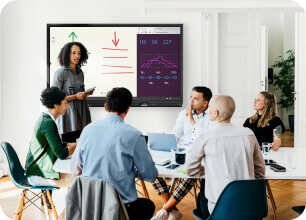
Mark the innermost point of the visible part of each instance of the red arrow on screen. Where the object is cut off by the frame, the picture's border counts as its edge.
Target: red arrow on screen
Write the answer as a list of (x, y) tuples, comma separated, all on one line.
[(116, 41)]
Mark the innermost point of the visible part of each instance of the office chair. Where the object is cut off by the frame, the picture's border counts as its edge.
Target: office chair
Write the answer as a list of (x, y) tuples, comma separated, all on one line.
[(144, 192), (240, 200), (298, 209), (20, 180)]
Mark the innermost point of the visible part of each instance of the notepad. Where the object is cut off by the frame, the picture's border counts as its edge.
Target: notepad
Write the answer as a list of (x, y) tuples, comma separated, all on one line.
[(182, 171), (162, 162)]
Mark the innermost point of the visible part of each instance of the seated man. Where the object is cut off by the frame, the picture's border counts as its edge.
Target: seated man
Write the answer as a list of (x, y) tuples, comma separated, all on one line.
[(229, 152), (188, 124), (115, 152), (193, 119)]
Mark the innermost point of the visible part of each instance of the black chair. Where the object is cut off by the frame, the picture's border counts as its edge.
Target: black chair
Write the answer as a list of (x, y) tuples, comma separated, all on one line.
[(20, 180), (299, 209), (241, 200)]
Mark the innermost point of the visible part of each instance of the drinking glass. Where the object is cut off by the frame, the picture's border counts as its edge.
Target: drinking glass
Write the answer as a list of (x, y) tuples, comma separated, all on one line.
[(265, 148), (292, 160), (173, 151)]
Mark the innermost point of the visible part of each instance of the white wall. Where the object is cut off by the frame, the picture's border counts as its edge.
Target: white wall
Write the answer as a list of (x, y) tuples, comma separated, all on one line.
[(23, 59), (23, 52)]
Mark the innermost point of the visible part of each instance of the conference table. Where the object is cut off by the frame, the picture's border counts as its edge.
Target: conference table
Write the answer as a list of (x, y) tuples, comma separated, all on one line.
[(280, 156)]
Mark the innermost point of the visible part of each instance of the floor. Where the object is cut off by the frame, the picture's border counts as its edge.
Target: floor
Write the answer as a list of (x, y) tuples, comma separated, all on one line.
[(287, 139), (286, 194)]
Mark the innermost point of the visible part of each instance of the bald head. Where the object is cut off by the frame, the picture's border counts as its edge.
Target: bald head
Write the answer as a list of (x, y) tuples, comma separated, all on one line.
[(224, 104)]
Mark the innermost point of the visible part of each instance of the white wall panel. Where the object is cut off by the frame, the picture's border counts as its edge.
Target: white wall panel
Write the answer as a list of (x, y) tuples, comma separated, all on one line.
[(239, 60), (300, 74)]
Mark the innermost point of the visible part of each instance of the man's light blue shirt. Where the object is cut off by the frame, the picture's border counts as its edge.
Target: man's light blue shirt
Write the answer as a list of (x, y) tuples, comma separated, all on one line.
[(113, 151)]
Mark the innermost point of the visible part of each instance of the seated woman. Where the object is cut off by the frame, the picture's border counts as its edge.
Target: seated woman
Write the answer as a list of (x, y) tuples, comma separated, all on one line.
[(265, 122), (46, 144)]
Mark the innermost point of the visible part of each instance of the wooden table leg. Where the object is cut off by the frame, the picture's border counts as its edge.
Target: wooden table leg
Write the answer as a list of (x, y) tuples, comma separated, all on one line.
[(144, 189), (271, 198)]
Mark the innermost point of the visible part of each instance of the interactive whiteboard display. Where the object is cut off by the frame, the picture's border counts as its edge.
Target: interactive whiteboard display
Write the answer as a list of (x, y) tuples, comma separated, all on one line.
[(146, 59)]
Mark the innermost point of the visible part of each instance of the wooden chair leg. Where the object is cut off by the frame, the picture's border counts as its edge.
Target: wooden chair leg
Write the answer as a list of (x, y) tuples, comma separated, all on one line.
[(45, 206), (144, 189), (271, 199), (195, 193), (173, 185), (22, 204), (52, 204), (19, 205)]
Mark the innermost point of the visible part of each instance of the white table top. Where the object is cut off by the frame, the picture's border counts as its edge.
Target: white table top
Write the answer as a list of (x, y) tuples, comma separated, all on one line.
[(162, 170), (280, 156)]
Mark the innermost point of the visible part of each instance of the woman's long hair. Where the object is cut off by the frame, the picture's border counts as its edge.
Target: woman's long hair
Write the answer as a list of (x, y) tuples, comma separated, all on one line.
[(269, 111)]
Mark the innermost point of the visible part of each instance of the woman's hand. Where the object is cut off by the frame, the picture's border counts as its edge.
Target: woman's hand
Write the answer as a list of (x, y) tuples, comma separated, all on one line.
[(81, 96), (276, 144), (71, 147)]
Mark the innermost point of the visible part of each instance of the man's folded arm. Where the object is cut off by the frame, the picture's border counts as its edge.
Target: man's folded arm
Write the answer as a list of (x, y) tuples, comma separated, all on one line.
[(143, 161), (76, 162)]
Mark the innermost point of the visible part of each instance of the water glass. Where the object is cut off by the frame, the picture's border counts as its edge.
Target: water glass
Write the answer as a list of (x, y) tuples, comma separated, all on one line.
[(265, 148), (173, 151), (292, 160)]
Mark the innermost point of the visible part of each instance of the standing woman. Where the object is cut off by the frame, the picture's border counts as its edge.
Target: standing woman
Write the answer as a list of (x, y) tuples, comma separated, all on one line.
[(70, 79), (265, 122)]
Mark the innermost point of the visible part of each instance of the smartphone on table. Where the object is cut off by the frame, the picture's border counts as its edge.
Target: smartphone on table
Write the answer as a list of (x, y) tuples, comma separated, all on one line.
[(172, 166), (277, 168), (269, 162)]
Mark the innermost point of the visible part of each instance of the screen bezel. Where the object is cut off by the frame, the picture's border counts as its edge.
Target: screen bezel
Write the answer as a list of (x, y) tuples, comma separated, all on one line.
[(137, 101)]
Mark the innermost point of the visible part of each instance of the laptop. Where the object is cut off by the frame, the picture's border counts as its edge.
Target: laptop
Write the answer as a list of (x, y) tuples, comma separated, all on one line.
[(161, 141)]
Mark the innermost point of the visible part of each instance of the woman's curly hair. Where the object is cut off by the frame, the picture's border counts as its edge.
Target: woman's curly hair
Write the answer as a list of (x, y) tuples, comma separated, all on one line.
[(52, 96), (64, 55)]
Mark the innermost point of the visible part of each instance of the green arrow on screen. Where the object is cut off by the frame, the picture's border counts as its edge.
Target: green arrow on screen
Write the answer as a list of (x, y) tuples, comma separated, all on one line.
[(73, 35)]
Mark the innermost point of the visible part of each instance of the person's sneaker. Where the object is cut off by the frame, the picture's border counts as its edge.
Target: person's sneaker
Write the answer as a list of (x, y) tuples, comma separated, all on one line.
[(175, 215), (160, 215)]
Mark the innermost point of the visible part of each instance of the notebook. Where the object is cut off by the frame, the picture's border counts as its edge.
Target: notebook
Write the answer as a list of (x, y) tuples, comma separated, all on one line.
[(161, 141)]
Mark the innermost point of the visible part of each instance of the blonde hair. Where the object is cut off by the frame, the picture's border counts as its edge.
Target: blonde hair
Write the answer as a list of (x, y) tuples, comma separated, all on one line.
[(269, 111)]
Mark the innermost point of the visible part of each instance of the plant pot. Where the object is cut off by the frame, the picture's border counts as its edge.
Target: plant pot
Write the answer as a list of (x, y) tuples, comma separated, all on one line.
[(291, 122)]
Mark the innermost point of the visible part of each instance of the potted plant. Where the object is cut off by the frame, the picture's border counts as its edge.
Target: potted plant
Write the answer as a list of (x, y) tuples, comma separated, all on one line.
[(284, 81)]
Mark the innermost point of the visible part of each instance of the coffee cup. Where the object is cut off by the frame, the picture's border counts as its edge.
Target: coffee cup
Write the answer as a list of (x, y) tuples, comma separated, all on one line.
[(180, 156)]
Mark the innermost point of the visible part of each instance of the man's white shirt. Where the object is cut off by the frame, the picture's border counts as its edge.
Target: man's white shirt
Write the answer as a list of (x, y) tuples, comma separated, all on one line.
[(185, 132)]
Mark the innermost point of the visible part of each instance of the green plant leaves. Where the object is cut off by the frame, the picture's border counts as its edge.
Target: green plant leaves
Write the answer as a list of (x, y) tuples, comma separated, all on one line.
[(284, 79)]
